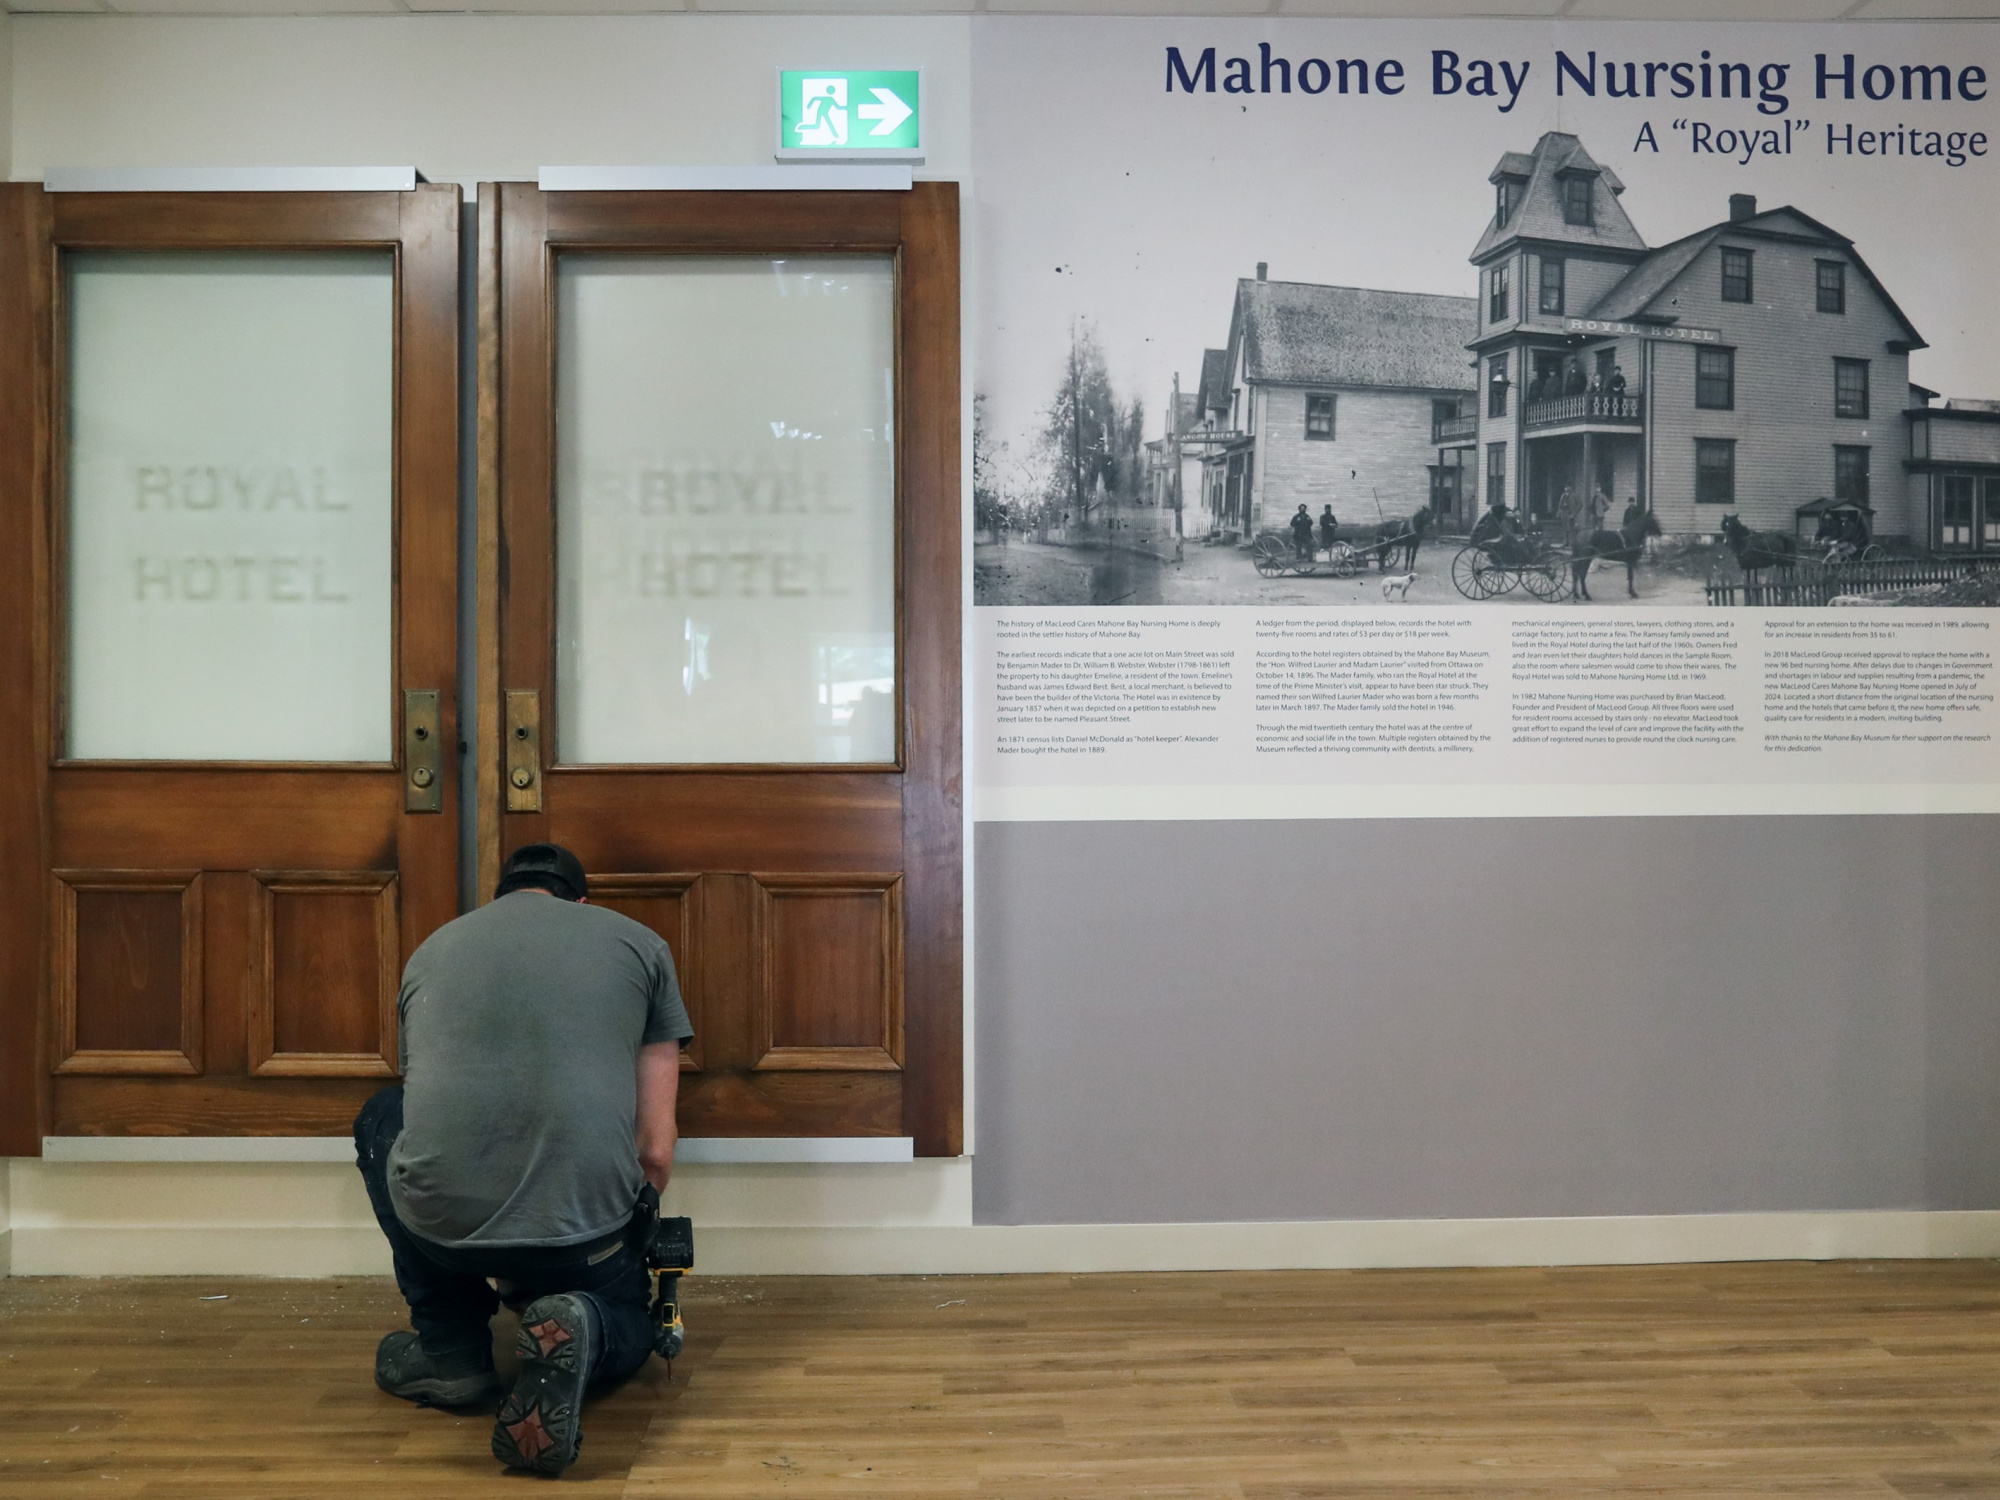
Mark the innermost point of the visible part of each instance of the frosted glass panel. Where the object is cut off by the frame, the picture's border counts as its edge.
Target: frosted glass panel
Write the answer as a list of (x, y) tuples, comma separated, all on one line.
[(726, 504), (229, 541)]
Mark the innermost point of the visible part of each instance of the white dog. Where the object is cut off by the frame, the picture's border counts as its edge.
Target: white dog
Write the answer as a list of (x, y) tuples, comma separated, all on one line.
[(1399, 585)]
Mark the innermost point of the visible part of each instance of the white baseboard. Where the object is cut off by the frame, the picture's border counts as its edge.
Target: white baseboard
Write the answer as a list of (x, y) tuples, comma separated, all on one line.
[(350, 1250)]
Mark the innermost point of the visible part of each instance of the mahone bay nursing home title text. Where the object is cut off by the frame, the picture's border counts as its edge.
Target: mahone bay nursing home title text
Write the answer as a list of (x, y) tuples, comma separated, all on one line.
[(1839, 77)]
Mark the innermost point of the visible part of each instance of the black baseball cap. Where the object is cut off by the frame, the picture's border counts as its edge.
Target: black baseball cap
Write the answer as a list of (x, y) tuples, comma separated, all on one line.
[(549, 867)]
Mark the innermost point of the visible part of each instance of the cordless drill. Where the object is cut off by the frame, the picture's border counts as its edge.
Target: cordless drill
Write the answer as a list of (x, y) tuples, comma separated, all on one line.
[(669, 1253), (669, 1246)]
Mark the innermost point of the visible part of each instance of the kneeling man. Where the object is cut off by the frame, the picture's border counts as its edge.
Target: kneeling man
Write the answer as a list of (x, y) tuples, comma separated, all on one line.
[(541, 1042)]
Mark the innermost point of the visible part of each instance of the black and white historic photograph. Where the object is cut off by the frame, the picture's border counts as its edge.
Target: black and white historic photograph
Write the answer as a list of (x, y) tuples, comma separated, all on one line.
[(1551, 356)]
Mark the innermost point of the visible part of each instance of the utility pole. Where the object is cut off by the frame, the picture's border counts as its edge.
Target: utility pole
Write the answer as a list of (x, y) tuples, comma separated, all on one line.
[(1174, 449)]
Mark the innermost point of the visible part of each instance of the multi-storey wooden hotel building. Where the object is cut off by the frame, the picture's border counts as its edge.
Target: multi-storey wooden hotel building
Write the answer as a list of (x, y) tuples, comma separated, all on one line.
[(1754, 367)]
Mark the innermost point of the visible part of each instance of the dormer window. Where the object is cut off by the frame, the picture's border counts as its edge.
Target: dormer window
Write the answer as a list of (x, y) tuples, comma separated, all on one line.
[(1506, 196), (1578, 202)]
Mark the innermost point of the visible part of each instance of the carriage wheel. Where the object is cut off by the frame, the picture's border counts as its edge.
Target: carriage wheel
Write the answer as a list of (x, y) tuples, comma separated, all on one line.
[(1343, 559), (1466, 574), (1872, 553), (1494, 579), (1548, 580), (1270, 555)]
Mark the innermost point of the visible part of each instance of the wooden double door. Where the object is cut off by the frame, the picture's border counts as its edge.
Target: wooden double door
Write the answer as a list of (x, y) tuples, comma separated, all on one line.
[(717, 649)]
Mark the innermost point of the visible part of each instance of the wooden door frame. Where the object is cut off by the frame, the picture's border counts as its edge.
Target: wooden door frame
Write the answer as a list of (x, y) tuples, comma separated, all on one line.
[(515, 373), (421, 229)]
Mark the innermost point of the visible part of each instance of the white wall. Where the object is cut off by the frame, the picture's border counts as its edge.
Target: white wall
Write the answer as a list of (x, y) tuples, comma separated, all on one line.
[(464, 98), (461, 97), (6, 135)]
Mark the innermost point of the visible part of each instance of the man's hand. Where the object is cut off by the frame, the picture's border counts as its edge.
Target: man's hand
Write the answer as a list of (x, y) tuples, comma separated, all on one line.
[(659, 1087)]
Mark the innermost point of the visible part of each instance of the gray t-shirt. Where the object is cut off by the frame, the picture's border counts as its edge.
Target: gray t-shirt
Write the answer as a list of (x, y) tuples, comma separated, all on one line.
[(521, 1029)]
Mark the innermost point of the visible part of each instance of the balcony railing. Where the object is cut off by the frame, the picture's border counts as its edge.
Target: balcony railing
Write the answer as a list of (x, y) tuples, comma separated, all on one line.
[(1586, 409), (1455, 430)]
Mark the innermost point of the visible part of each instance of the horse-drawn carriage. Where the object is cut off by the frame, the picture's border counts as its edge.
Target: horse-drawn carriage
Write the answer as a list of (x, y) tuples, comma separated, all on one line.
[(1843, 532), (1274, 554), (1496, 565), (1498, 558)]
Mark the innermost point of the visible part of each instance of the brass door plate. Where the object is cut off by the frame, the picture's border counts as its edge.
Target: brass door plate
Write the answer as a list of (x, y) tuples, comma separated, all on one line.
[(423, 751), (524, 751)]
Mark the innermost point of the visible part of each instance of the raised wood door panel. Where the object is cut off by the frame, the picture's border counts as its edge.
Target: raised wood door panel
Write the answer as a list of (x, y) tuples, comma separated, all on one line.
[(814, 908), (284, 888), (327, 951), (126, 959), (826, 954), (670, 905)]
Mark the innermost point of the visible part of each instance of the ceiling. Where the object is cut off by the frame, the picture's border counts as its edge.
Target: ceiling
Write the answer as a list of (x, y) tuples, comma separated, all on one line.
[(1649, 10)]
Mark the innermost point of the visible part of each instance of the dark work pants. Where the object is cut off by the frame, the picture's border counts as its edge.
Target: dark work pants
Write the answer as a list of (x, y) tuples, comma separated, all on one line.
[(450, 1302)]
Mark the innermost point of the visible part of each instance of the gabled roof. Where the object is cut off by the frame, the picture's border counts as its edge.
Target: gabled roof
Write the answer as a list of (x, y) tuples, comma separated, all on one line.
[(1213, 392), (1300, 333), (1633, 295), (1640, 294), (1539, 216)]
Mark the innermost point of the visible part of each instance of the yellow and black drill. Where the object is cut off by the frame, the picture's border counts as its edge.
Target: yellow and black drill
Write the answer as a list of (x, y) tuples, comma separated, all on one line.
[(669, 1256)]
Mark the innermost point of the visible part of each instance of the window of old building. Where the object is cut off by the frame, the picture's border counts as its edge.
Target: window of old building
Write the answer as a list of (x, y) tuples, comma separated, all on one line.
[(1955, 511), (1736, 276), (1578, 201), (1850, 387), (1496, 301), (1496, 473), (1319, 417), (1715, 471), (1715, 379), (1496, 386), (1830, 285), (1552, 284), (1850, 474)]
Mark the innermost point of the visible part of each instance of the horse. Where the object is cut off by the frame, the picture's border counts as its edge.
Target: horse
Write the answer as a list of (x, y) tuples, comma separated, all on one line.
[(1626, 545), (1757, 550), (1401, 538)]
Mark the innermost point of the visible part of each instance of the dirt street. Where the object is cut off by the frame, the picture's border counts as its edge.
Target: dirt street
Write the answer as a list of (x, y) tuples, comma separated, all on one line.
[(1030, 573)]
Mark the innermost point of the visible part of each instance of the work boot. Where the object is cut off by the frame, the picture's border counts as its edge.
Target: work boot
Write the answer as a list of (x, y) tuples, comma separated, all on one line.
[(463, 1378), (540, 1425)]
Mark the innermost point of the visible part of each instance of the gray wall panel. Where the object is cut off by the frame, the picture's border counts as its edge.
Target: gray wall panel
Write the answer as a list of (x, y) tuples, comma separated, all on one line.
[(1495, 1017)]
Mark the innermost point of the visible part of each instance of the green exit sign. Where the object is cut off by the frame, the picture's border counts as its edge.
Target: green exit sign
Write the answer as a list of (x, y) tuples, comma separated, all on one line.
[(828, 114)]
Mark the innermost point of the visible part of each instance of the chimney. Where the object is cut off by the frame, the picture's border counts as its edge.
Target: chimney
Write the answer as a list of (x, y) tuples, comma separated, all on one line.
[(1263, 269), (1742, 206)]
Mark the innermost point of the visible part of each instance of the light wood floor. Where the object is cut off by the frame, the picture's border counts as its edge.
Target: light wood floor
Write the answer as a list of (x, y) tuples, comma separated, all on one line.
[(1740, 1380)]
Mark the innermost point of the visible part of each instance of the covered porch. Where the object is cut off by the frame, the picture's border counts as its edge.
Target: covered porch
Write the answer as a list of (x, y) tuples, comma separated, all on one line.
[(1609, 461)]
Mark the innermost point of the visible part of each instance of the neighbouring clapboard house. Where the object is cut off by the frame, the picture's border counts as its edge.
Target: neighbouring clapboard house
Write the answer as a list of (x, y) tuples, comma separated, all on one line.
[(1758, 366), (1331, 395)]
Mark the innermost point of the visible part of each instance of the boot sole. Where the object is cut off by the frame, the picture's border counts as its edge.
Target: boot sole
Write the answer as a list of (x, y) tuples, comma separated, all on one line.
[(471, 1391), (539, 1427)]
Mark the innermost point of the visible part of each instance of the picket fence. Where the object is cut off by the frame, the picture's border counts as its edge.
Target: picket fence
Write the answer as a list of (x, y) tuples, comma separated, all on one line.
[(1811, 584)]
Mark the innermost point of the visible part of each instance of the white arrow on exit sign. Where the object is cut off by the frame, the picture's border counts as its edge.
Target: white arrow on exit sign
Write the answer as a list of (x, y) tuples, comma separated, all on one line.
[(888, 112)]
